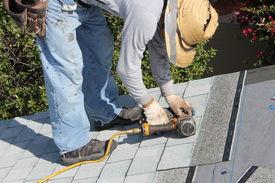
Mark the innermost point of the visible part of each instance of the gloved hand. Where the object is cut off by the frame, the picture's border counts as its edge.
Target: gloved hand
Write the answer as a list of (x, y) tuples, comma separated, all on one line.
[(178, 105), (155, 115)]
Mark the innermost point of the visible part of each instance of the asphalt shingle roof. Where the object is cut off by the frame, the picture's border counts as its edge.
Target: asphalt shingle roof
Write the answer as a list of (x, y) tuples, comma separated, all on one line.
[(235, 131)]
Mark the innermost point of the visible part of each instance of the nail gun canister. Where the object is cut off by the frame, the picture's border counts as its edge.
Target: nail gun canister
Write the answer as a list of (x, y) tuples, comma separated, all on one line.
[(186, 126)]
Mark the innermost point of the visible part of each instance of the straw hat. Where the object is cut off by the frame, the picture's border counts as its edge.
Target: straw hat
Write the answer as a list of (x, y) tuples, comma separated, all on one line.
[(196, 20)]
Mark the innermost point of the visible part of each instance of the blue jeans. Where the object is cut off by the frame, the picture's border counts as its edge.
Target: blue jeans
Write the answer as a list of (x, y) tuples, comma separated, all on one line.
[(77, 57)]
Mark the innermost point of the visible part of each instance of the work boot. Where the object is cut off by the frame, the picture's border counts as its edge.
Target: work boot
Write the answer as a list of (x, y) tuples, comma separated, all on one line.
[(127, 116), (94, 150)]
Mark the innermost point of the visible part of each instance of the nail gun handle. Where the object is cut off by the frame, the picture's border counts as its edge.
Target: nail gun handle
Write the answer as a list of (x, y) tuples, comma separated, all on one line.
[(150, 129)]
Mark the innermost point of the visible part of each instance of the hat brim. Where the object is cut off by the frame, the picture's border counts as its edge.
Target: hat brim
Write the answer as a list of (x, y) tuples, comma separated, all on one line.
[(184, 53)]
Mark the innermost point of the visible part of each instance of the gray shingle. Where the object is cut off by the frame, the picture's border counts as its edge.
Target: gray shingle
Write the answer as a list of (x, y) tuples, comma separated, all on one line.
[(121, 154), (67, 174), (63, 180), (30, 162), (91, 170), (173, 176), (262, 175), (9, 160), (212, 137), (140, 178), (198, 87), (153, 140), (14, 123), (49, 135), (176, 156), (115, 170), (111, 179), (3, 125), (205, 173), (46, 129), (176, 139), (26, 134), (198, 103), (11, 132), (146, 160), (4, 145), (4, 172), (13, 181), (89, 180), (31, 181), (17, 148), (50, 147), (21, 169), (40, 145), (34, 125), (180, 88), (260, 74), (198, 120), (41, 170), (51, 157), (131, 141)]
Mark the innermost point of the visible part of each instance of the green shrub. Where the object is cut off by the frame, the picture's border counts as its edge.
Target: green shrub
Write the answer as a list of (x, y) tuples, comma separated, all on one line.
[(22, 90), (21, 83)]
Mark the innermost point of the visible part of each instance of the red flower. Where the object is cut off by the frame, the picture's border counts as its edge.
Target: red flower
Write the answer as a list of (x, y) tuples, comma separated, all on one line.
[(247, 31)]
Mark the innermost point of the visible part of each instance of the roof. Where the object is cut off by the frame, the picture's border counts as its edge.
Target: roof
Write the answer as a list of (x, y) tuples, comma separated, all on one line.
[(234, 115)]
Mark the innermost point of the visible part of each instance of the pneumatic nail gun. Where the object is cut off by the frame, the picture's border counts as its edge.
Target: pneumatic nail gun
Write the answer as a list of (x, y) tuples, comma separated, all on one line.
[(184, 125)]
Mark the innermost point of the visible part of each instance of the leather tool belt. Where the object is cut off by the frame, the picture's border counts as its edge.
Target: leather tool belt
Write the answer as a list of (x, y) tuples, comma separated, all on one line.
[(28, 14)]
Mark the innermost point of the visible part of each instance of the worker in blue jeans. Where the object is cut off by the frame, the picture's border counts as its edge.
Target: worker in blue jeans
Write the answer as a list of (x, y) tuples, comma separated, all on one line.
[(77, 57), (81, 34), (76, 51)]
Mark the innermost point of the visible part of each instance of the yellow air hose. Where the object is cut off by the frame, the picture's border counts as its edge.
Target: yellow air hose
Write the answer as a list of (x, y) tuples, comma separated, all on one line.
[(129, 132)]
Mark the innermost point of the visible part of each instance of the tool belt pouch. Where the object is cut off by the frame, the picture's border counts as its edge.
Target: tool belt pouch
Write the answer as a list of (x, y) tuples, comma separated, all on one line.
[(29, 15)]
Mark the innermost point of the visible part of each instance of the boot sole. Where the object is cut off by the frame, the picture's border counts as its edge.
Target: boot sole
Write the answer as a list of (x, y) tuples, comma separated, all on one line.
[(70, 161)]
